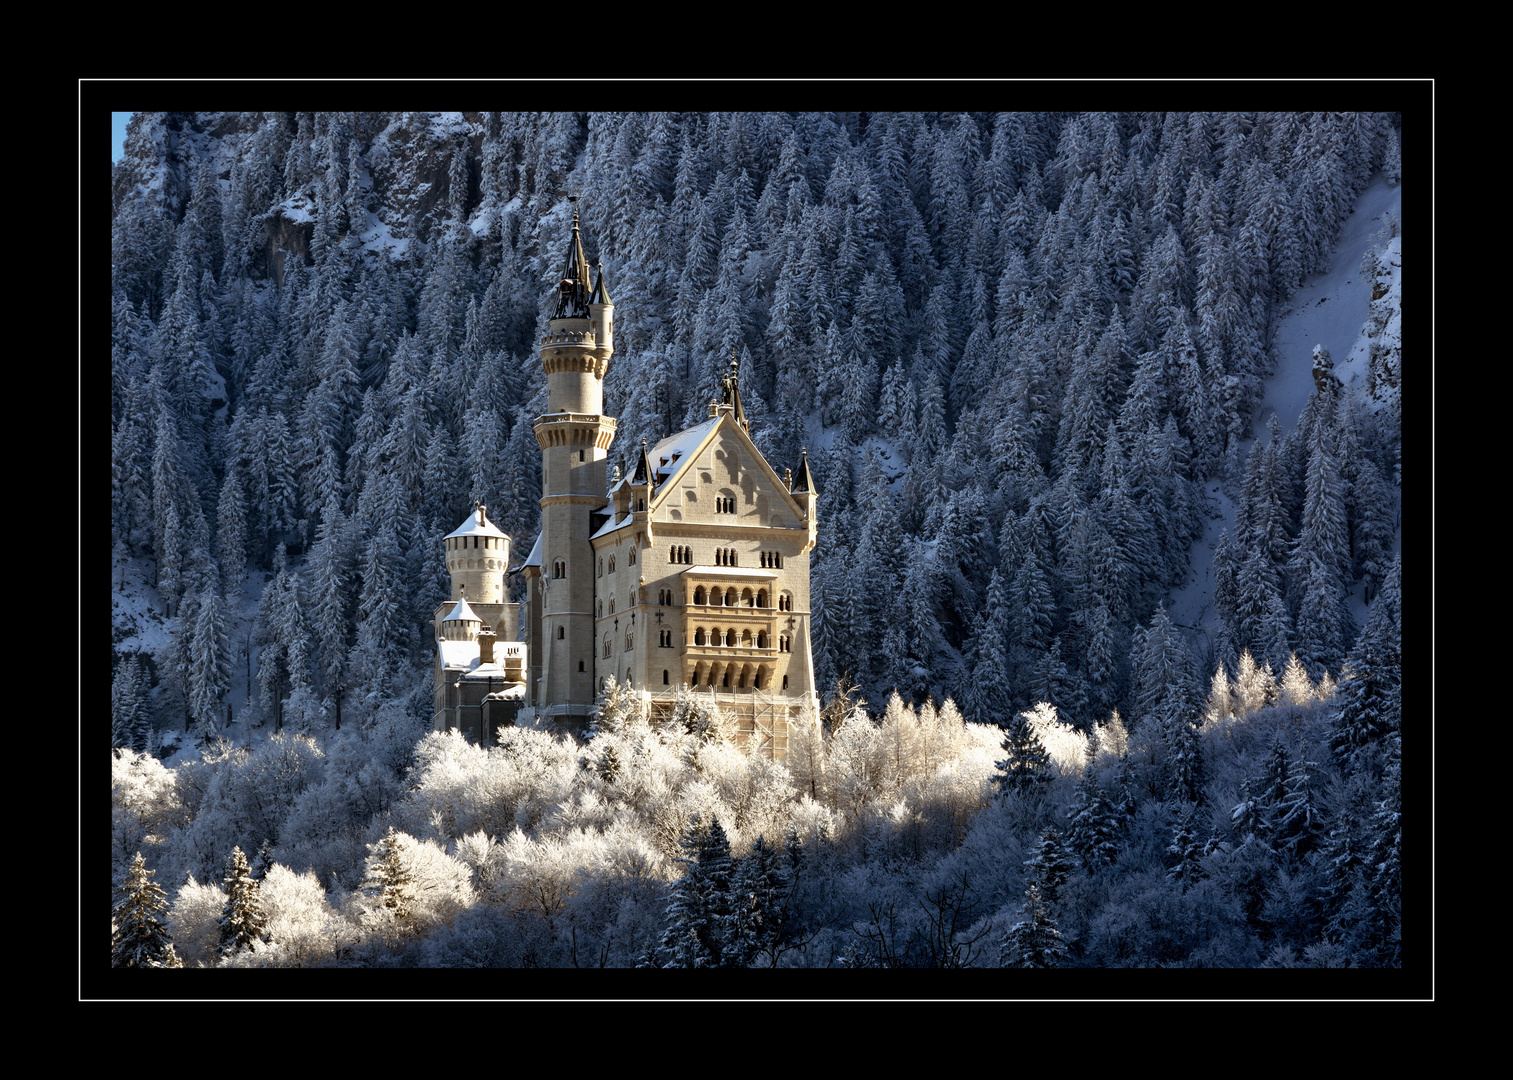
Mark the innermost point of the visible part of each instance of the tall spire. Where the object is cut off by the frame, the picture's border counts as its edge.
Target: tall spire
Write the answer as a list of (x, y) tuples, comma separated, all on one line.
[(574, 289), (730, 391)]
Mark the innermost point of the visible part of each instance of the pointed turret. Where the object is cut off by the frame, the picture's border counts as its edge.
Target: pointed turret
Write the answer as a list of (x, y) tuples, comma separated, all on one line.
[(573, 291), (730, 392), (601, 291), (642, 477), (804, 482), (805, 492)]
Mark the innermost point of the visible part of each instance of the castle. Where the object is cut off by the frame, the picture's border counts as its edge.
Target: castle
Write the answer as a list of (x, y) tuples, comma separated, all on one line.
[(694, 570)]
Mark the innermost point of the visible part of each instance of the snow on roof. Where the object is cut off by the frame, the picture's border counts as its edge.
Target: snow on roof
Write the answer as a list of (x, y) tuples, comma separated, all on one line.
[(534, 558), (458, 655), (674, 453), (610, 526), (731, 571), (509, 693), (477, 524), (462, 611)]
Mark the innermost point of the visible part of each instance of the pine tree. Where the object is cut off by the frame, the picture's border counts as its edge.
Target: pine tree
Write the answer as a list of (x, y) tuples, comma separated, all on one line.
[(1027, 764), (699, 905), (138, 938), (242, 920), (390, 882), (1094, 823), (1186, 852), (1034, 941), (1050, 866), (760, 921)]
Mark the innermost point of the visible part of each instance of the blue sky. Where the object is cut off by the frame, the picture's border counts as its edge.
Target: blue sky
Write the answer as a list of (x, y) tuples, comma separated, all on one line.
[(118, 134)]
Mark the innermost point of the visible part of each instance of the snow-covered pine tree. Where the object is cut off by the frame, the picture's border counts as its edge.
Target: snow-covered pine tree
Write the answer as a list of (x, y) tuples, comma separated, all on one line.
[(138, 938), (1093, 824), (242, 920), (1026, 764), (1049, 866), (1034, 941)]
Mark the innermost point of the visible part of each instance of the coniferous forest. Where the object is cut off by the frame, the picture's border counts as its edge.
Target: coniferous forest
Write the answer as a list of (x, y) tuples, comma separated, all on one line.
[(1028, 355)]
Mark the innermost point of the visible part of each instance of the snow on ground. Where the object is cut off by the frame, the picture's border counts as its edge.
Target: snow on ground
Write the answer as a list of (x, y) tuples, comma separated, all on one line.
[(1330, 309)]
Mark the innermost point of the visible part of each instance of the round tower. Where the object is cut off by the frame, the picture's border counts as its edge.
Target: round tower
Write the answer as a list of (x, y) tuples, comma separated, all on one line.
[(462, 624), (478, 552), (574, 437)]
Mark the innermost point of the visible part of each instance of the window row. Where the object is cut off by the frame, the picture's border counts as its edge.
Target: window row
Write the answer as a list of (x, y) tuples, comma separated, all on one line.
[(772, 560), (725, 557), (681, 555), (457, 543), (724, 505), (630, 643)]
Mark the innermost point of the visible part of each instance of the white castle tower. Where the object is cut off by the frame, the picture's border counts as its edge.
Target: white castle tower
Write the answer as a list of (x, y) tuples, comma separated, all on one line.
[(574, 437)]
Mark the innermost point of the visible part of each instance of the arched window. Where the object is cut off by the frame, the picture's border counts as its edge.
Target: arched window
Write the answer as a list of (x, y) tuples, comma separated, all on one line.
[(664, 679), (746, 638), (606, 645), (732, 637), (761, 639), (580, 665), (630, 641), (601, 566), (631, 558), (761, 598), (746, 598), (561, 632), (611, 605), (698, 595), (756, 679), (730, 596), (698, 635), (785, 682), (611, 564)]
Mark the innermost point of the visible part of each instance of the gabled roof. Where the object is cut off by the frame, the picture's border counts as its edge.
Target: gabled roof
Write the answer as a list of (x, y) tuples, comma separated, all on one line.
[(671, 456)]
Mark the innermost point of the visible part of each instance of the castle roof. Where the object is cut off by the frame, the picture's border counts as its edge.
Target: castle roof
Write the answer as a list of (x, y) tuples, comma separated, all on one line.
[(803, 480), (477, 524), (676, 452), (573, 291), (601, 291), (534, 558), (462, 612)]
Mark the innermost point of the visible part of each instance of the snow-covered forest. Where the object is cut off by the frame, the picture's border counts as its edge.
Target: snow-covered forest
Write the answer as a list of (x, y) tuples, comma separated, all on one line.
[(1113, 636)]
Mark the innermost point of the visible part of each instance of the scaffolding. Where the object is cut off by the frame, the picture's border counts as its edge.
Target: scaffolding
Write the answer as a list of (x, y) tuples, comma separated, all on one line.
[(762, 719)]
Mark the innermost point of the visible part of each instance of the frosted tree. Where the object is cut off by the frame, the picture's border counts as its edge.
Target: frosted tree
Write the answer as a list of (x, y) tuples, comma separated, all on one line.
[(390, 884), (242, 920), (138, 938)]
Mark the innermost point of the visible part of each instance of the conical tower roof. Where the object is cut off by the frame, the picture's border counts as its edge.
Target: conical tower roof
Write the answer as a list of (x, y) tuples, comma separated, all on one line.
[(803, 481), (573, 291)]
